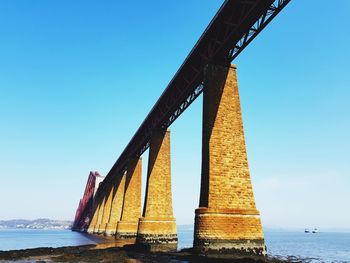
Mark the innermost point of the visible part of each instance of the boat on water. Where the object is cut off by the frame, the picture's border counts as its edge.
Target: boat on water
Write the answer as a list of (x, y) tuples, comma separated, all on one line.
[(314, 231)]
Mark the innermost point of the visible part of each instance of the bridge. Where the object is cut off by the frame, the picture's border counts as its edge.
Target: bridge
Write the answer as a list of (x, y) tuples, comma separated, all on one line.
[(227, 219)]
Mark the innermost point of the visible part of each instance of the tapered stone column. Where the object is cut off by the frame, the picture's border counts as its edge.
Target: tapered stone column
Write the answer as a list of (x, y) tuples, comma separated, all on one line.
[(93, 221), (117, 205), (227, 220), (127, 227), (106, 210), (99, 215), (157, 227)]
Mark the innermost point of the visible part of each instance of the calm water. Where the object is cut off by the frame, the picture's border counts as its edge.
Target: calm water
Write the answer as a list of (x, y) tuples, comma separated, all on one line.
[(320, 247), (30, 238)]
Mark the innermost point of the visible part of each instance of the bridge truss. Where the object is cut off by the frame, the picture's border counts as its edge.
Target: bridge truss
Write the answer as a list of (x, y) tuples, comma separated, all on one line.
[(234, 26)]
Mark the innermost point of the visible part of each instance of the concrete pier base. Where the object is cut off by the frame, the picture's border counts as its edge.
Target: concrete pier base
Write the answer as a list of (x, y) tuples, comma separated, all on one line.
[(127, 230), (228, 231), (90, 231), (110, 229), (101, 229), (157, 234), (95, 229)]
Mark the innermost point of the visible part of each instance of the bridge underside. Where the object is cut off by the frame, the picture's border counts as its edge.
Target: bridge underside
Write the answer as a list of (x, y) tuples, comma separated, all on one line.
[(226, 220), (234, 26)]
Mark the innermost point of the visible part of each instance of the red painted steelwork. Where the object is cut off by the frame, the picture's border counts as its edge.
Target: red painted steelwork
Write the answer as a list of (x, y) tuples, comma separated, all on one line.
[(85, 205)]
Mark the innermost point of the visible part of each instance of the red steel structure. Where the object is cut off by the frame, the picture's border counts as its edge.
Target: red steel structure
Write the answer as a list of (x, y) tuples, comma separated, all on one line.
[(82, 215), (233, 27)]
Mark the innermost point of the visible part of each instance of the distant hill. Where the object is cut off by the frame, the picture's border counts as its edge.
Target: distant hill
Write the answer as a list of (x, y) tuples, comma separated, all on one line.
[(41, 223)]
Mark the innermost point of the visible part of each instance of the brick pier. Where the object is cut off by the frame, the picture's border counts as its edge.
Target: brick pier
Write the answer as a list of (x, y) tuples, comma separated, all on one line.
[(116, 206), (131, 212), (157, 226), (227, 220)]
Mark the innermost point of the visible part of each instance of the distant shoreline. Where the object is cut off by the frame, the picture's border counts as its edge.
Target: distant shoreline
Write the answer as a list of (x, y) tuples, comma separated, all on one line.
[(39, 224)]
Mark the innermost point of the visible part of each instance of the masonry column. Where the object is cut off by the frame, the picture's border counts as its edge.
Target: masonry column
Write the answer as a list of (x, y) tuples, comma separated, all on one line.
[(127, 227), (227, 220), (106, 210), (93, 221), (99, 215), (117, 205), (157, 227)]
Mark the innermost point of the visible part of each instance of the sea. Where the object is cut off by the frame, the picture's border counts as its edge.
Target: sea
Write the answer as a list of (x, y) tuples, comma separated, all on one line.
[(292, 245)]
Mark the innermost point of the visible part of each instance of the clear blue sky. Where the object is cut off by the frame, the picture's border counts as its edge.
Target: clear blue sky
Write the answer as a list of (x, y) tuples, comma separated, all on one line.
[(78, 77)]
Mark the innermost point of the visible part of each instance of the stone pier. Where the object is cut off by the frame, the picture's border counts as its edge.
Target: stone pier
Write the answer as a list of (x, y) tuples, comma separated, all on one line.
[(227, 220), (157, 227), (106, 210), (93, 221), (116, 206), (127, 226), (99, 215)]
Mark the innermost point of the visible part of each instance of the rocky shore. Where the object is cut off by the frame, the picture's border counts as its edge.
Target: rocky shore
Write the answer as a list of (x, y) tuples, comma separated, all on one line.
[(128, 254)]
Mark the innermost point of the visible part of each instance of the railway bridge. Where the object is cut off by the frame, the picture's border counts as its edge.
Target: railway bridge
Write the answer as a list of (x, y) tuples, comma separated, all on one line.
[(226, 220)]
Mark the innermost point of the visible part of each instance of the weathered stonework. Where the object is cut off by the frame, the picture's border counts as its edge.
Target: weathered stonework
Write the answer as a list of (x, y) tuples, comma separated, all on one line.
[(93, 221), (117, 205), (99, 215), (157, 227), (106, 211), (227, 220), (127, 227)]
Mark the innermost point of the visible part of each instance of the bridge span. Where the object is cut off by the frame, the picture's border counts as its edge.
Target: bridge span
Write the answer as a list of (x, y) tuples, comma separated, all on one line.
[(226, 220)]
